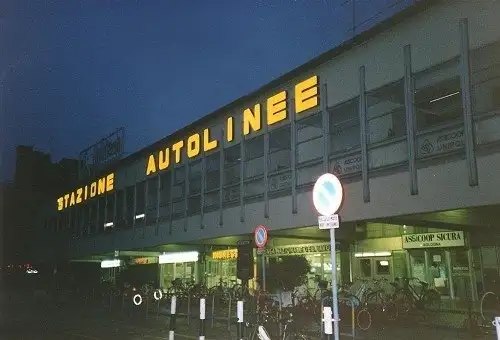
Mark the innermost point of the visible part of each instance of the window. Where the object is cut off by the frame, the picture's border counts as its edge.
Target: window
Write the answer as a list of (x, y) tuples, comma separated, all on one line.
[(152, 199), (383, 267), (437, 95), (254, 157), (212, 172), (85, 219), (195, 177), (178, 192), (310, 138), (92, 216), (120, 220), (140, 204), (366, 267), (232, 163), (386, 112), (76, 221), (110, 209), (129, 207), (165, 195), (344, 127), (101, 205), (212, 181), (179, 183), (279, 149), (485, 78)]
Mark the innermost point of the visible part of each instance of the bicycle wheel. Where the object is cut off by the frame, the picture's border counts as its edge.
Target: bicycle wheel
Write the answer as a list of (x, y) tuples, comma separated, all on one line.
[(364, 319), (432, 299), (490, 306)]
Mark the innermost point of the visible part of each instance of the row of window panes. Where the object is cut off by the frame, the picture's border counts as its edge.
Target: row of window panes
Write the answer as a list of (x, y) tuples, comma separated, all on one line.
[(437, 100)]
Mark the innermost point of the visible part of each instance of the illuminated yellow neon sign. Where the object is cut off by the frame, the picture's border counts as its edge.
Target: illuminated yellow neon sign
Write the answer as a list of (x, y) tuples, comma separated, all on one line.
[(229, 254), (306, 96), (96, 188)]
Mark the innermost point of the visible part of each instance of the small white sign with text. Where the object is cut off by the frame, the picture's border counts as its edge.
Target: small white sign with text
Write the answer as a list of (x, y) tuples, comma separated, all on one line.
[(328, 222)]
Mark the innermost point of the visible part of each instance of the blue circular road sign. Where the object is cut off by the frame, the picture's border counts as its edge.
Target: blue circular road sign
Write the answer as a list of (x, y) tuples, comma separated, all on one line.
[(260, 236), (327, 194)]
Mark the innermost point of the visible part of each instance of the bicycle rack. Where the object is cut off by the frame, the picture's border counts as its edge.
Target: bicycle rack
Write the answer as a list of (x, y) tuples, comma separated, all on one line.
[(353, 313)]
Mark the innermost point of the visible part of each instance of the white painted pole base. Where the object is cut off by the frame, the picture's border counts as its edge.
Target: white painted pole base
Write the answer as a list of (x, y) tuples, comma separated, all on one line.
[(171, 335)]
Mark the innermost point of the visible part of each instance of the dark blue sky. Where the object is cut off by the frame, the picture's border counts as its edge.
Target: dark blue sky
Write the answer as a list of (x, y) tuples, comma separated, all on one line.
[(75, 70)]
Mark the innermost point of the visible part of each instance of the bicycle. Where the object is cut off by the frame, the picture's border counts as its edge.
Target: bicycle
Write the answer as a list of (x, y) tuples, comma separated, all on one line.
[(490, 306), (407, 297)]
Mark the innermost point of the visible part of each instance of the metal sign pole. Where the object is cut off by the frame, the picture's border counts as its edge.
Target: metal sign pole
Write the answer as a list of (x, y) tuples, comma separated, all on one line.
[(335, 304), (263, 257)]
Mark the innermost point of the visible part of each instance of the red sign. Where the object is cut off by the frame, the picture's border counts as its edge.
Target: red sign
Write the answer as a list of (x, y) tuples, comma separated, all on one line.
[(260, 236)]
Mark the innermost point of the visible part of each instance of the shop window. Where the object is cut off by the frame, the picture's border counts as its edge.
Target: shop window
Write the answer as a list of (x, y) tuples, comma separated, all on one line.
[(195, 177), (438, 98), (232, 163), (101, 208), (212, 172), (310, 142), (386, 112), (383, 267), (254, 157), (485, 78), (344, 127), (129, 206), (165, 195), (120, 221), (152, 199), (366, 267)]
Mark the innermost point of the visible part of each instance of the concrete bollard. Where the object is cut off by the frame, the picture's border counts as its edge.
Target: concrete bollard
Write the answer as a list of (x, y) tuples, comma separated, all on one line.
[(171, 333), (202, 319), (327, 322), (239, 322)]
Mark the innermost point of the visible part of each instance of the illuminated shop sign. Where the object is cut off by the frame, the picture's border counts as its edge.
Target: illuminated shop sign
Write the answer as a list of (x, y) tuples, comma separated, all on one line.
[(145, 260), (306, 96), (228, 254), (295, 250), (434, 240), (180, 257), (111, 263), (96, 188)]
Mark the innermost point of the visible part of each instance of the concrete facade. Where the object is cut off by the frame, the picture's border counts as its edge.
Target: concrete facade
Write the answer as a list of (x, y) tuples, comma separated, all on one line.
[(442, 166)]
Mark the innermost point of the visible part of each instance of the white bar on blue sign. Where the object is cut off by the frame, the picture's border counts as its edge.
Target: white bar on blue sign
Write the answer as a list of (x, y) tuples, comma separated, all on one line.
[(239, 311), (328, 222), (327, 320), (202, 309)]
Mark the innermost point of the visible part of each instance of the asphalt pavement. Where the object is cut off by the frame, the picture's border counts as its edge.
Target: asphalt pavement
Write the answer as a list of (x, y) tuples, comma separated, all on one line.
[(27, 320)]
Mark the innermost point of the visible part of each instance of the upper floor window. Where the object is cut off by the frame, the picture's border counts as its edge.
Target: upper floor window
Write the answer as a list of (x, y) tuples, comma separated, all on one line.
[(438, 96), (344, 127), (386, 111)]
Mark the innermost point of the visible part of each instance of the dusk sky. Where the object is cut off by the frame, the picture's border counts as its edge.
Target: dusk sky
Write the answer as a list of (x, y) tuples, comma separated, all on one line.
[(74, 71)]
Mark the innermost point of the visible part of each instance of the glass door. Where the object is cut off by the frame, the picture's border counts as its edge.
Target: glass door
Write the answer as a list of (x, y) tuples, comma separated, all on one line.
[(461, 273), (438, 271)]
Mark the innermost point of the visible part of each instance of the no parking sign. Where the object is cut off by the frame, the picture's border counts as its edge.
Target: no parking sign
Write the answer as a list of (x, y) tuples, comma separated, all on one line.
[(260, 236)]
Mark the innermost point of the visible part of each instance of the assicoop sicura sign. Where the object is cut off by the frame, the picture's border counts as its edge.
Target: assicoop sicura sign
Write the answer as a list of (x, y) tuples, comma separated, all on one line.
[(434, 240)]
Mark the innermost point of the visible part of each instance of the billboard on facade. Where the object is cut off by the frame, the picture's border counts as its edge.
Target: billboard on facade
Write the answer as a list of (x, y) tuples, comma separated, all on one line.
[(106, 151)]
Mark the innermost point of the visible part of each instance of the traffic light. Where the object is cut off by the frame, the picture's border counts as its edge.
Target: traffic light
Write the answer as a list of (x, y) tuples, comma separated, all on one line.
[(244, 263)]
